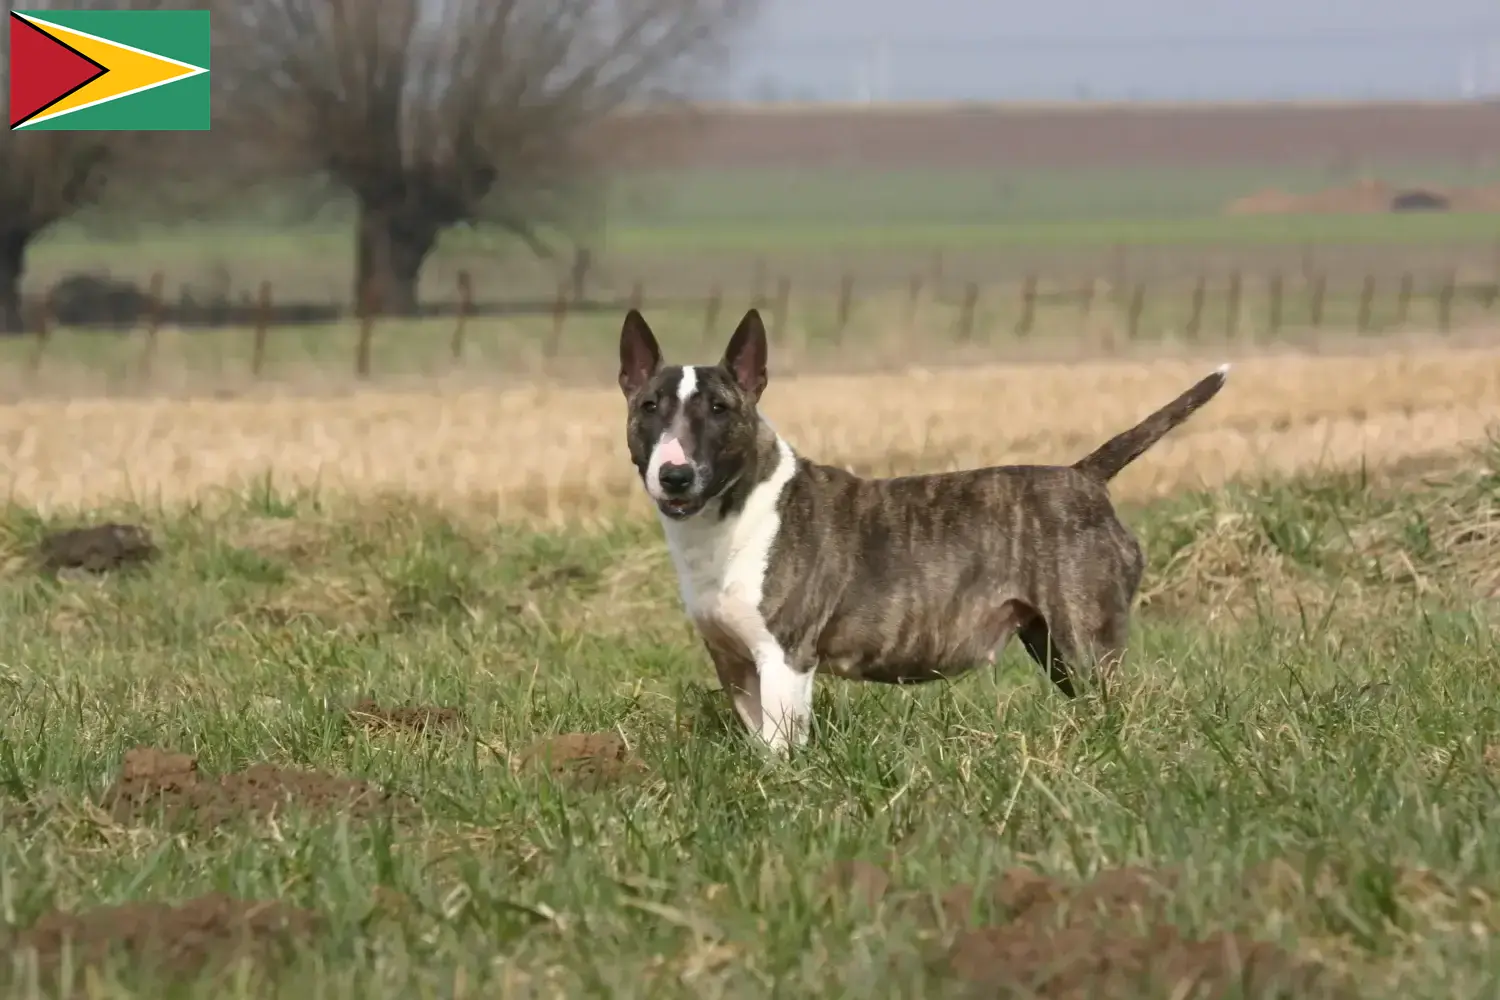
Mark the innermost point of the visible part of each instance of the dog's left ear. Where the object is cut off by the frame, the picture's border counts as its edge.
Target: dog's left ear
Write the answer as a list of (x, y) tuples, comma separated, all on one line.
[(640, 356), (745, 357)]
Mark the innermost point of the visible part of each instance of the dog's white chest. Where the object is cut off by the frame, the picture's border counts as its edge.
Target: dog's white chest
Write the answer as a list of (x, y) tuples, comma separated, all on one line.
[(721, 568), (722, 565)]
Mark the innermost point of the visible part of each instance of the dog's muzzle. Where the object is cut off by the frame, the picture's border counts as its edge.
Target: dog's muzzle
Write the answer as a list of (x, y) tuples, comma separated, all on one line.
[(679, 487)]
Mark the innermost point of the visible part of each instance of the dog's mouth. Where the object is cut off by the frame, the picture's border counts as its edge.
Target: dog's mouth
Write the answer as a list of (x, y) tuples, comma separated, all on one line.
[(679, 508)]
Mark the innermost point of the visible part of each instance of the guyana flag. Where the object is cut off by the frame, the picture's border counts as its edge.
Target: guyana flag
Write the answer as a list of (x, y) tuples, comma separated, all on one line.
[(109, 70)]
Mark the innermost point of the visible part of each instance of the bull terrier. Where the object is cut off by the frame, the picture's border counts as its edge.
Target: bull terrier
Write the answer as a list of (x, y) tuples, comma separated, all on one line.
[(787, 567)]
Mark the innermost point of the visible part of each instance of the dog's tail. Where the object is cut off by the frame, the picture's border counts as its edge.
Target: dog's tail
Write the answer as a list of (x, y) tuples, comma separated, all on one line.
[(1106, 461)]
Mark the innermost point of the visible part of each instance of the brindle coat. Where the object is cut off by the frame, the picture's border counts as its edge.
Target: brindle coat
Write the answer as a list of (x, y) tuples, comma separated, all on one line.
[(900, 580)]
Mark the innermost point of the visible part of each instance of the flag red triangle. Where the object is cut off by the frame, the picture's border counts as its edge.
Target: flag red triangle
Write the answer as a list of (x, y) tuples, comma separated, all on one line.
[(43, 70)]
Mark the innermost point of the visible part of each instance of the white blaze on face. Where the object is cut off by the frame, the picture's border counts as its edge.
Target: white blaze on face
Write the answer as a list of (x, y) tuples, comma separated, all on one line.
[(669, 449)]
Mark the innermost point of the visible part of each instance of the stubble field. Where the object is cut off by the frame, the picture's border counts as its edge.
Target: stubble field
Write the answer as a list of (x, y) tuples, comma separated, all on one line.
[(397, 699)]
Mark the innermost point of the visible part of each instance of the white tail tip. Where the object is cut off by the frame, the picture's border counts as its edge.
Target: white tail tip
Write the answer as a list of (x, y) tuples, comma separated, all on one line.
[(1222, 369)]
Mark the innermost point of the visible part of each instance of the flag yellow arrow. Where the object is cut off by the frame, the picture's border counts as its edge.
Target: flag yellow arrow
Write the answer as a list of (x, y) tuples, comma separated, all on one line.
[(130, 70)]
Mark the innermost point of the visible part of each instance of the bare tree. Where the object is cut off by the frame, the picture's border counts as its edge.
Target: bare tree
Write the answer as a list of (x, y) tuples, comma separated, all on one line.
[(47, 177), (436, 113)]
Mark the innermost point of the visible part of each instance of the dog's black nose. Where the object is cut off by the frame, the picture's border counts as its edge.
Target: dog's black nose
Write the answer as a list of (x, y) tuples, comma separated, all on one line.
[(676, 479)]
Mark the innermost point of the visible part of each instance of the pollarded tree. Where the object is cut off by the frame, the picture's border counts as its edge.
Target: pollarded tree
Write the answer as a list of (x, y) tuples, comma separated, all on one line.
[(47, 177), (436, 113)]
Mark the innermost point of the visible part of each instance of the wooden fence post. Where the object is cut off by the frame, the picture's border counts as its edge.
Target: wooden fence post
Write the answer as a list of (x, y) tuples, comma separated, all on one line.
[(465, 310), (553, 344), (846, 306), (1403, 299), (967, 310), (262, 328), (1028, 307), (1364, 317), (1274, 307), (43, 329), (1232, 305), (369, 306), (1445, 303), (638, 295), (1315, 303), (1086, 297), (913, 296), (153, 323), (1195, 311), (583, 263)]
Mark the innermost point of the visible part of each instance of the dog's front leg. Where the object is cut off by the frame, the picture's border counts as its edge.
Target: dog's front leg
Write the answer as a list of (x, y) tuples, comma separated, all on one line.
[(785, 697)]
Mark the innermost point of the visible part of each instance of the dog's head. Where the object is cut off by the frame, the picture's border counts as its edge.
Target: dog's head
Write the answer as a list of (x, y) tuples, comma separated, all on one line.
[(692, 431)]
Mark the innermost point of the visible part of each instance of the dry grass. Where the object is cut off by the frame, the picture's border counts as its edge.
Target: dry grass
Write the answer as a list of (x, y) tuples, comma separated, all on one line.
[(551, 452)]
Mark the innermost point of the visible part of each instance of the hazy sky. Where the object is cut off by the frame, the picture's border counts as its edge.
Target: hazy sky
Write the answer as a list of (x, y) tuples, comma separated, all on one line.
[(1164, 49)]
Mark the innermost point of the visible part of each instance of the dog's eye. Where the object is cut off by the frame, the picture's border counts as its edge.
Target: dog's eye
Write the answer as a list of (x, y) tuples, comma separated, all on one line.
[(649, 406), (717, 407)]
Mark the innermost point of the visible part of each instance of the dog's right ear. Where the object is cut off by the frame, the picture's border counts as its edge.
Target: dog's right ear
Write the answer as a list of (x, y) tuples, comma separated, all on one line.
[(640, 357), (745, 357)]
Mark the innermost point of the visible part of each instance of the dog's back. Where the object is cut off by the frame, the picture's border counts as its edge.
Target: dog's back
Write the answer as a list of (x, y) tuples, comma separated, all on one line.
[(920, 577)]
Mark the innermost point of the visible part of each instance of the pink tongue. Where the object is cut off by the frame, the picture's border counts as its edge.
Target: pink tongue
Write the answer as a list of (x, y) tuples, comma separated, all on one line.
[(671, 452)]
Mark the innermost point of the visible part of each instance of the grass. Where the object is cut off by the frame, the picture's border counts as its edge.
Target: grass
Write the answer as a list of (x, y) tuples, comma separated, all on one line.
[(1350, 731), (685, 230), (990, 197)]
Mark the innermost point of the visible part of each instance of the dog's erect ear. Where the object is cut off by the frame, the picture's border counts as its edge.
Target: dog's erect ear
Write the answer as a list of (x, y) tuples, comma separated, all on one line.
[(745, 357), (640, 356)]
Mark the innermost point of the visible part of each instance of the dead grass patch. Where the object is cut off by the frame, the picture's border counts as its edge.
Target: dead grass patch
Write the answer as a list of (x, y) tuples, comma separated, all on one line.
[(474, 448), (1293, 546), (327, 599), (424, 719)]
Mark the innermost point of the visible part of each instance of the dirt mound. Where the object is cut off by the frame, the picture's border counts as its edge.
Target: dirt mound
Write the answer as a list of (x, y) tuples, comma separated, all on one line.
[(157, 782), (97, 548), (1368, 196), (1107, 938), (415, 718), (161, 939), (590, 760)]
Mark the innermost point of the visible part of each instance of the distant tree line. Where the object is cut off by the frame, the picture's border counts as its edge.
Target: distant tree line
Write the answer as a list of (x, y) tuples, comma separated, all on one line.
[(425, 114)]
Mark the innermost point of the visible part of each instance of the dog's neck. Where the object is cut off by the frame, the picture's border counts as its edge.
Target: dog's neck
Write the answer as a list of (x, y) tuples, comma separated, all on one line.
[(763, 464)]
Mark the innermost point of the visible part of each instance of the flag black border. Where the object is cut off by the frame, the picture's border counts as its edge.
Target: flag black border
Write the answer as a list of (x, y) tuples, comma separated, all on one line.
[(16, 16)]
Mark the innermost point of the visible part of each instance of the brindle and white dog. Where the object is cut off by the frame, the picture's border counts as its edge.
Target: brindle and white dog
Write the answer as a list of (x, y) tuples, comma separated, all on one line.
[(787, 567)]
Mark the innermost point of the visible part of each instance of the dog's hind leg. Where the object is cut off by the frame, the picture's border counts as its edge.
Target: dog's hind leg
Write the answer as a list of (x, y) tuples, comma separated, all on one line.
[(1056, 659), (1073, 655)]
